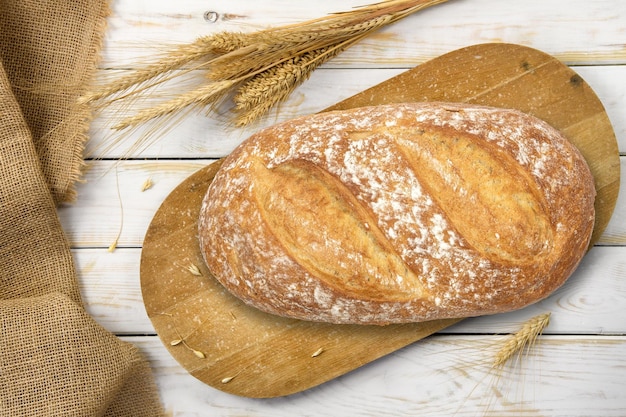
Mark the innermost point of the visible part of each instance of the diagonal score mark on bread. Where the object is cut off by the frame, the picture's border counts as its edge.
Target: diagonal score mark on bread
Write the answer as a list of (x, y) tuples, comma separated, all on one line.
[(478, 187), (333, 224)]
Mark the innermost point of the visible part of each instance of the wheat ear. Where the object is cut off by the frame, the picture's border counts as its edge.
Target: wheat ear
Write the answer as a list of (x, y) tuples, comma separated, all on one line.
[(181, 55), (263, 91), (203, 48), (276, 45), (524, 338)]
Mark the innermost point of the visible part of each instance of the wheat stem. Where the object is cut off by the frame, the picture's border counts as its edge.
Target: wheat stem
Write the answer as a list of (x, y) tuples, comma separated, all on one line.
[(202, 96), (173, 60), (273, 46)]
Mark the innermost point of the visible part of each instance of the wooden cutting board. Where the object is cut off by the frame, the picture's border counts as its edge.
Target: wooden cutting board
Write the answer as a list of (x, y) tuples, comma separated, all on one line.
[(243, 351)]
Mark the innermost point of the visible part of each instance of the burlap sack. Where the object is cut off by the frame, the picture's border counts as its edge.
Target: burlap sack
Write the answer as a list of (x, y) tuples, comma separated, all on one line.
[(48, 48), (54, 359)]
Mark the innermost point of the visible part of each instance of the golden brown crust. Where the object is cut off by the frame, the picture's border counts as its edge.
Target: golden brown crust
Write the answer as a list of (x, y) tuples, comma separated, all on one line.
[(398, 213)]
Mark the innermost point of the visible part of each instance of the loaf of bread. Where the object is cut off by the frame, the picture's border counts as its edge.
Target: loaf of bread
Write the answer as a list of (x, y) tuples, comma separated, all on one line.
[(398, 213)]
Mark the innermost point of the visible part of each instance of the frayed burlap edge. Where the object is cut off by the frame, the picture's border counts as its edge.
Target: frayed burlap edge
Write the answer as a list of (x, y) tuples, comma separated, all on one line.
[(85, 112)]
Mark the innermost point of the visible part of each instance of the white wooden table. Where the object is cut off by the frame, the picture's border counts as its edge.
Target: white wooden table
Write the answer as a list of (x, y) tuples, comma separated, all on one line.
[(578, 368)]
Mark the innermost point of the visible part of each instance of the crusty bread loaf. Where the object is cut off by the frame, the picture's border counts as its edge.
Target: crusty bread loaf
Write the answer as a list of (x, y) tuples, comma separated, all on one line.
[(398, 213)]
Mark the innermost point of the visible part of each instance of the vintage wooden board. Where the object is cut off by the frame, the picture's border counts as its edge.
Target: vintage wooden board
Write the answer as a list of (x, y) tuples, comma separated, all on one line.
[(250, 353)]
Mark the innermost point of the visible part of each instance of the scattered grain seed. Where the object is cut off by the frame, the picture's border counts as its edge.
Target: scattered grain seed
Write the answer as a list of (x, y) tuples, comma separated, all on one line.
[(176, 342), (228, 379), (113, 246), (147, 184), (199, 354), (317, 352), (193, 268)]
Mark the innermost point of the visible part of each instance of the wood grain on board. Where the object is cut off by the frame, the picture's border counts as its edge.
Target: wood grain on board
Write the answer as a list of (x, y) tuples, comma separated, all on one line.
[(243, 351)]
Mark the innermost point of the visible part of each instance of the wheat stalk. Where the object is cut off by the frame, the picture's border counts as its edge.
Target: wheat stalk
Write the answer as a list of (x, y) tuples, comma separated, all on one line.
[(525, 337), (203, 96), (259, 69), (175, 59)]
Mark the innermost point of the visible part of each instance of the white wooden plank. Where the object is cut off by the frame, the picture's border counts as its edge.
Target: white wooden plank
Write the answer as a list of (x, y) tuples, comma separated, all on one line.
[(111, 201), (438, 376), (592, 301), (210, 137), (567, 374), (576, 370), (111, 289), (577, 31)]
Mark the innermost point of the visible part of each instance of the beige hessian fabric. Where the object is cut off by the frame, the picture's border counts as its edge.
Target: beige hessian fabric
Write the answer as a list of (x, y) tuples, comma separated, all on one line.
[(48, 49), (55, 360)]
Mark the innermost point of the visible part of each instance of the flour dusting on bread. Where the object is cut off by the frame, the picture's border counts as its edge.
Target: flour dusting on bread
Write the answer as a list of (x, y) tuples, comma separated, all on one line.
[(398, 213)]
